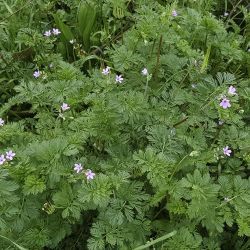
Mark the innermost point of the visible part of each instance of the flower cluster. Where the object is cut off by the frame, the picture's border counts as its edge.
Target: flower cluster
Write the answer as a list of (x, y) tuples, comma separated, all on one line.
[(7, 157), (119, 78), (225, 102), (54, 32), (79, 168)]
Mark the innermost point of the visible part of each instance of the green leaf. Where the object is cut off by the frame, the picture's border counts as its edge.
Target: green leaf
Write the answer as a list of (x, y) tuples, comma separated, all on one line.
[(33, 185), (71, 150), (66, 32), (86, 19)]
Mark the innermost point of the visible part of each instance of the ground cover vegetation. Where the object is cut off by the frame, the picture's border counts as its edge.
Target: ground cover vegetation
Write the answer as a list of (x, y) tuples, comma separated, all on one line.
[(124, 124)]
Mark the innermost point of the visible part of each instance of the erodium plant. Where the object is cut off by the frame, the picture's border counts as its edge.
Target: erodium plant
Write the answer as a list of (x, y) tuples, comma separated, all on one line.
[(128, 132)]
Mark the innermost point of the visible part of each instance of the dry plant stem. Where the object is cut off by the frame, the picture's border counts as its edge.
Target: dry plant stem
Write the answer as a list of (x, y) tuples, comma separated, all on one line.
[(232, 11), (180, 122)]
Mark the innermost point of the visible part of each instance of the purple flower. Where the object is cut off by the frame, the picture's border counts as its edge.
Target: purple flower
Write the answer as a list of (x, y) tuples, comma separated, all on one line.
[(90, 175), (36, 73), (144, 72), (47, 33), (10, 155), (106, 71), (78, 167), (65, 107), (232, 90), (225, 103), (119, 78), (56, 31), (174, 13), (2, 159), (227, 151), (1, 122)]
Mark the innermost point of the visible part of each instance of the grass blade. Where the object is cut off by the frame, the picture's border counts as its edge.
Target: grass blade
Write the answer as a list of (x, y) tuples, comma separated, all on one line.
[(15, 244), (164, 237)]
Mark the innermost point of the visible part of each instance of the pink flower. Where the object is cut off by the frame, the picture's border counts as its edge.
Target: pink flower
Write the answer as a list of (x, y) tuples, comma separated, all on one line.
[(232, 90), (65, 107), (90, 175), (227, 151), (78, 167), (10, 155), (119, 78), (225, 103)]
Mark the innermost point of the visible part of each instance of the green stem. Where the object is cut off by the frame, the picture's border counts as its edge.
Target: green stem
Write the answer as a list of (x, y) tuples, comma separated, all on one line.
[(158, 57), (146, 88)]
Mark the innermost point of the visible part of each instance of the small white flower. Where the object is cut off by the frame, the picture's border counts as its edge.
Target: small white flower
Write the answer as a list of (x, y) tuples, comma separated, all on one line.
[(56, 31), (144, 72), (10, 155), (65, 107), (36, 73), (119, 78), (232, 90), (1, 122), (106, 71), (47, 33), (78, 167)]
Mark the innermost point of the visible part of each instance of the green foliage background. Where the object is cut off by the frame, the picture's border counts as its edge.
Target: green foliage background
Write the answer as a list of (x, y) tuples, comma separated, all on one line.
[(155, 142)]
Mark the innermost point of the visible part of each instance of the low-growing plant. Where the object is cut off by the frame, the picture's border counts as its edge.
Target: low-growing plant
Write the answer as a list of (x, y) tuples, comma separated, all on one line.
[(124, 125)]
